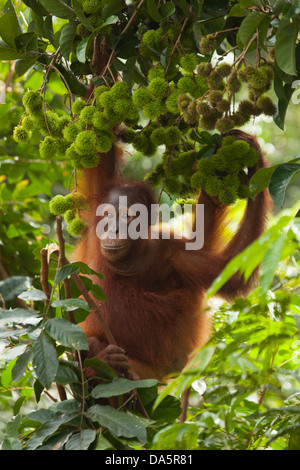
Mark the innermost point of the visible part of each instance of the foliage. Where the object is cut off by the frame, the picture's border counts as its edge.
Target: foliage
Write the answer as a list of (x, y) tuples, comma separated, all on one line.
[(176, 75)]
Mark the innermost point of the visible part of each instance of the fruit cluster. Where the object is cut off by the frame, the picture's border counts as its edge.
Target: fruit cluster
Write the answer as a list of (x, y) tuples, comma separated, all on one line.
[(185, 94), (69, 207), (222, 175)]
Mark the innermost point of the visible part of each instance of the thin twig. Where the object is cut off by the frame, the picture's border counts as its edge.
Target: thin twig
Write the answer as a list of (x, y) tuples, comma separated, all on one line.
[(176, 43), (132, 17), (185, 403), (44, 274)]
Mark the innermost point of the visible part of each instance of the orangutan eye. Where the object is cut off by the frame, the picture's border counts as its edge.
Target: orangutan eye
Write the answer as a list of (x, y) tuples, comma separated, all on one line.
[(125, 216), (109, 215)]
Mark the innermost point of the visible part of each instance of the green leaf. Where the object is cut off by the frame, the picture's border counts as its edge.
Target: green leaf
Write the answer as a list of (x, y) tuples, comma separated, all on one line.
[(102, 369), (66, 271), (237, 11), (21, 364), (251, 257), (119, 386), (97, 292), (284, 93), (47, 429), (81, 50), (202, 359), (285, 46), (36, 6), (168, 410), (153, 10), (59, 8), (48, 30), (19, 316), (10, 27), (76, 86), (294, 10), (45, 362), (85, 269), (66, 333), (167, 9), (119, 423), (66, 38), (14, 286), (33, 294), (280, 180), (271, 261), (260, 180), (65, 375), (179, 436), (22, 65), (81, 440), (249, 26), (71, 304), (111, 7), (81, 16), (110, 20), (8, 52), (27, 42)]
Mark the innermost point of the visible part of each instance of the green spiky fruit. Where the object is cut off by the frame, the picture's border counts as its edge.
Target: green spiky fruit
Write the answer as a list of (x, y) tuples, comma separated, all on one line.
[(127, 135), (198, 180), (172, 135), (189, 62), (78, 106), (32, 102), (246, 108), (87, 113), (223, 106), (78, 200), (224, 69), (234, 84), (213, 185), (60, 204), (47, 148), (183, 101), (158, 136), (143, 144), (158, 87), (69, 215), (204, 69), (215, 96), (227, 196), (187, 85), (20, 135), (141, 97), (76, 226), (104, 142), (90, 160), (85, 142), (208, 123), (70, 132), (27, 123), (172, 185), (120, 90), (266, 105), (74, 156), (208, 44), (171, 102), (156, 72), (154, 109), (99, 90), (224, 124), (92, 6)]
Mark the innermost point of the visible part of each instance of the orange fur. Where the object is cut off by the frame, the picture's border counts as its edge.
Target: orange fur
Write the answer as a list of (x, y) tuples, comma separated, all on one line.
[(154, 309)]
